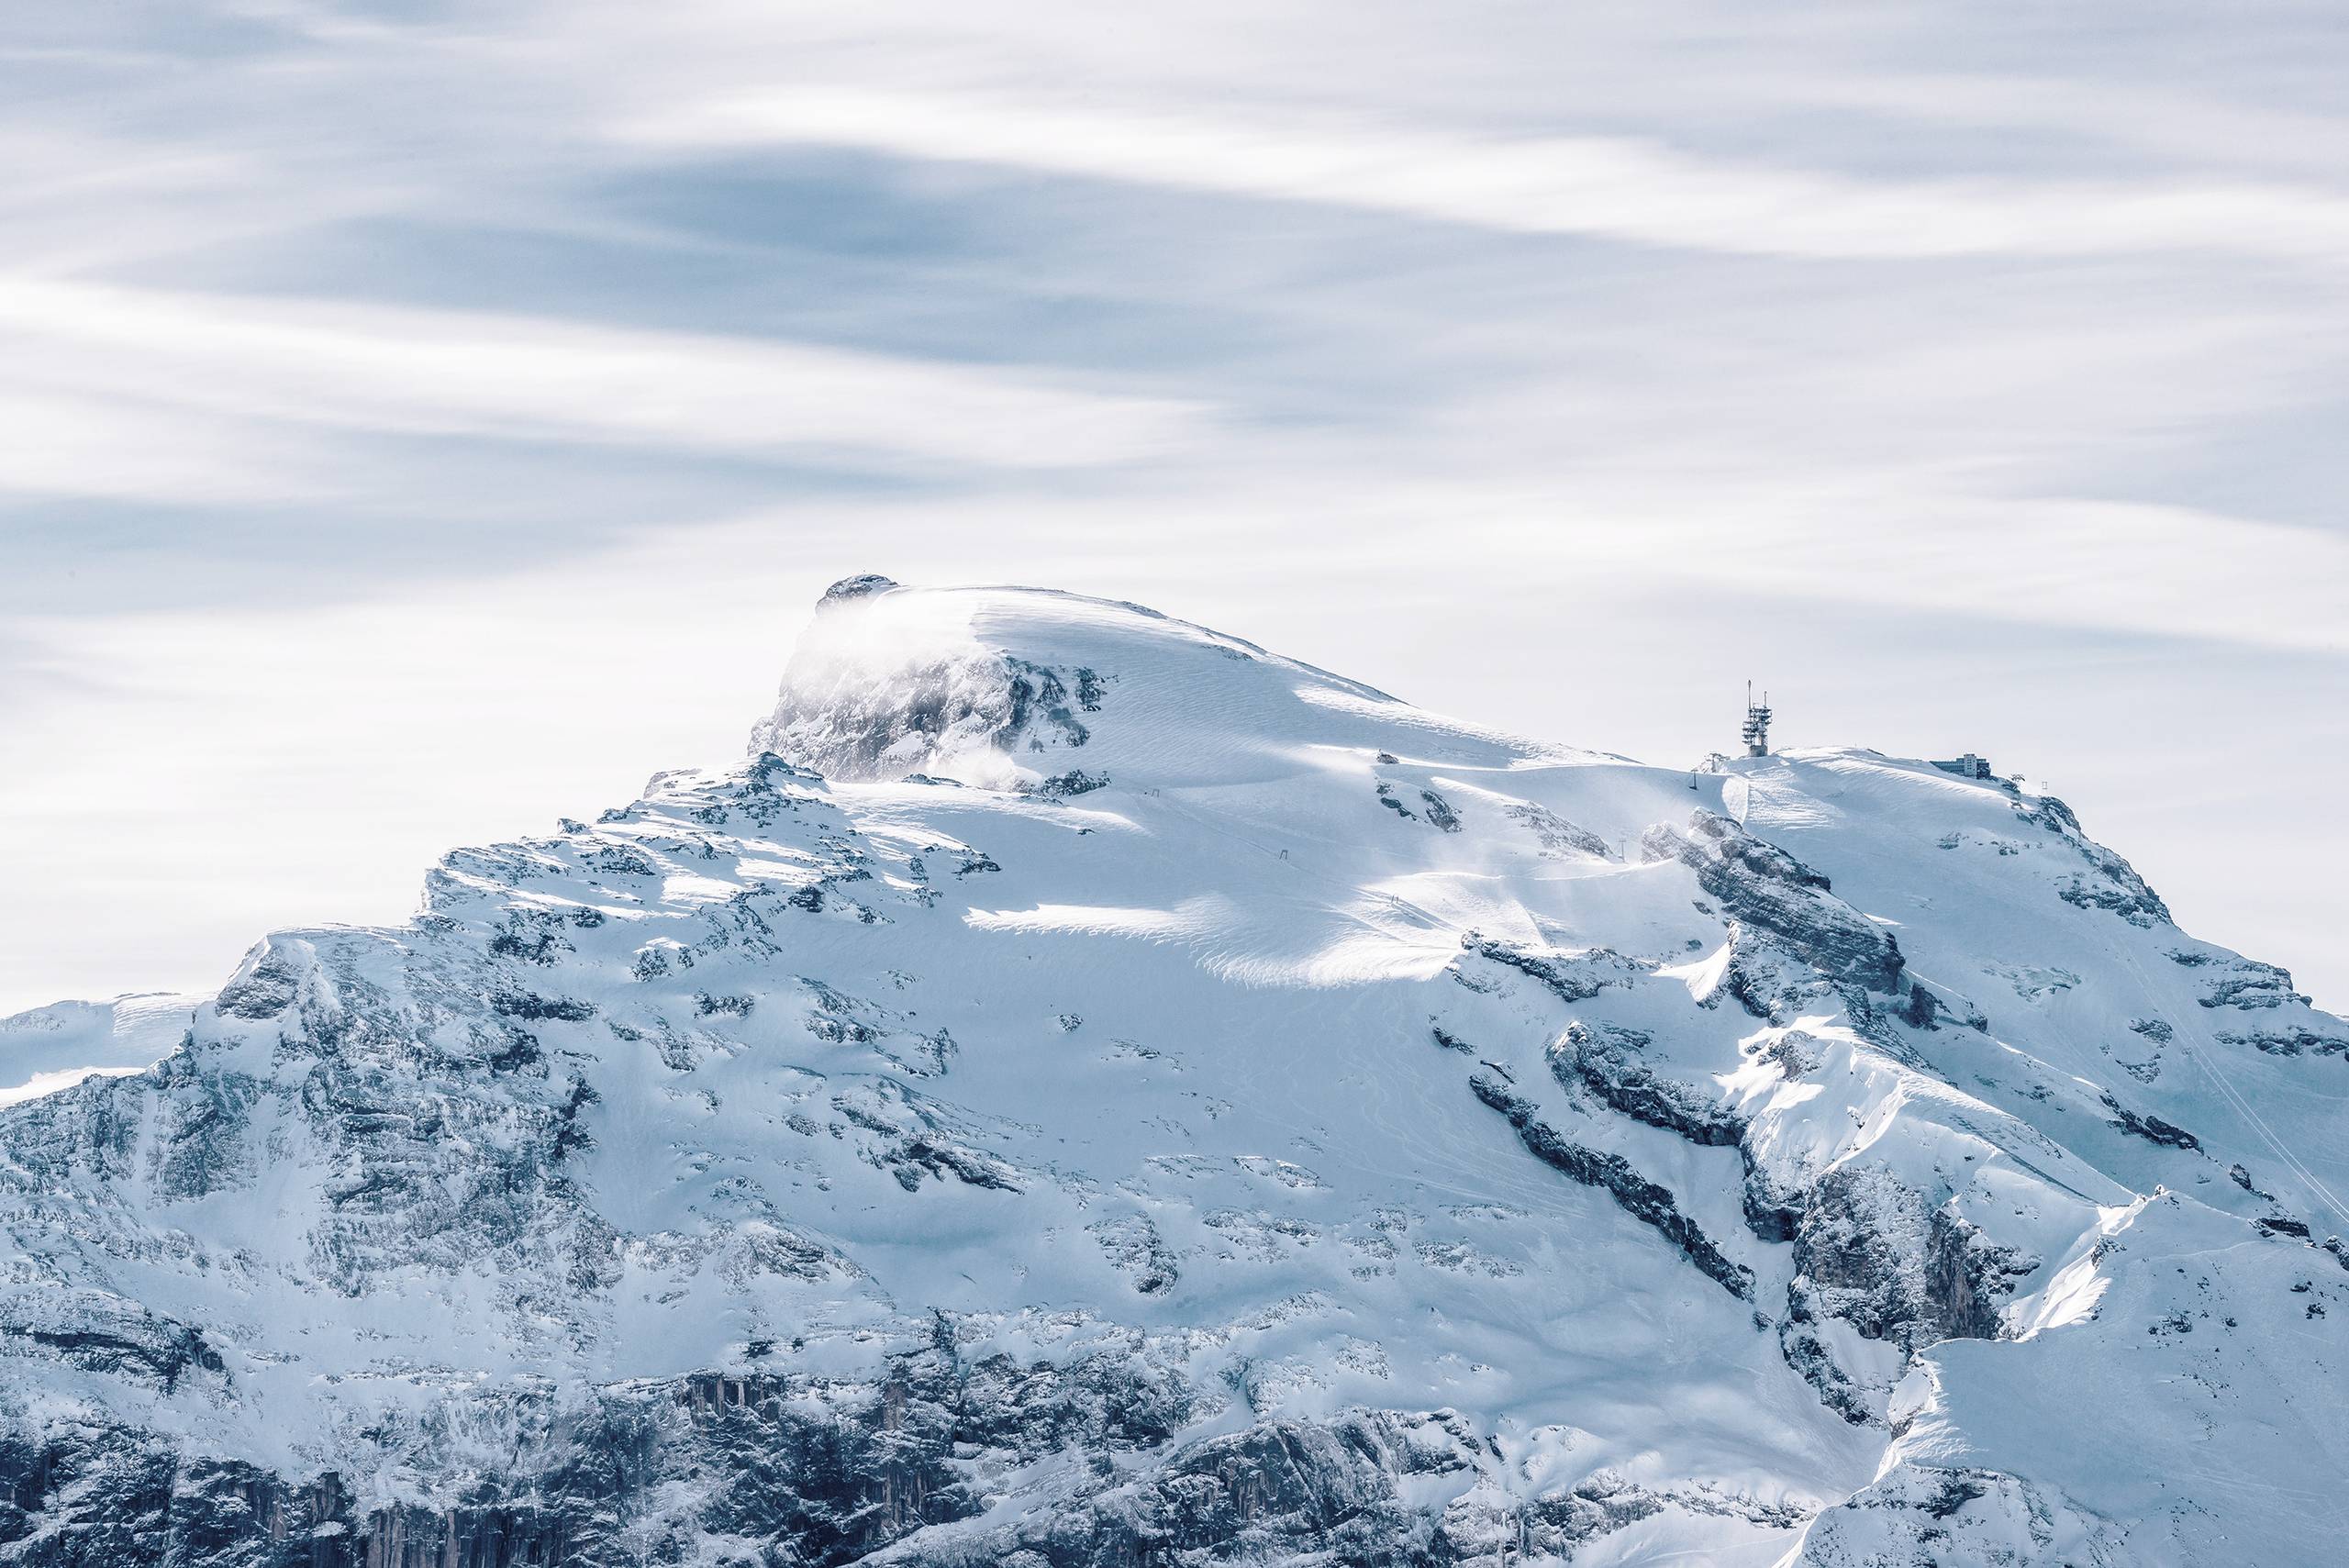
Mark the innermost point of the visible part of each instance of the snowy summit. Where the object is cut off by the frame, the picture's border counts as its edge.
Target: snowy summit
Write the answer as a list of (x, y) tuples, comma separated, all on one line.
[(1087, 1091)]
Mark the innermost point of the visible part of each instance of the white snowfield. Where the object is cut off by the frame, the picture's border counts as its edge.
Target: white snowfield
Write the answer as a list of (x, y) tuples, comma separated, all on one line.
[(56, 1047), (1817, 1158)]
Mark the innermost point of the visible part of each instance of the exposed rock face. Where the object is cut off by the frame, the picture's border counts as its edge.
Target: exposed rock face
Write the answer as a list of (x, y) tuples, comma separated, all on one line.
[(863, 585), (1279, 1491), (2152, 1128), (1766, 890), (1960, 1515), (1643, 1199), (2290, 1041), (2243, 983), (1793, 945), (95, 1330), (1608, 1062), (1132, 1245), (1559, 838), (1088, 1093), (2110, 884), (1482, 1526), (1875, 1256), (1570, 977), (970, 710), (646, 1472)]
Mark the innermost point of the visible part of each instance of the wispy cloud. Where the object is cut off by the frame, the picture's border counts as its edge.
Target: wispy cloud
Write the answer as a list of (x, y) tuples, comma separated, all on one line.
[(120, 356), (1616, 188)]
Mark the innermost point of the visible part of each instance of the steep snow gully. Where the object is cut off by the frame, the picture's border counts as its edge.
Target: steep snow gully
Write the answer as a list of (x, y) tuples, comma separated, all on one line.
[(1089, 1092)]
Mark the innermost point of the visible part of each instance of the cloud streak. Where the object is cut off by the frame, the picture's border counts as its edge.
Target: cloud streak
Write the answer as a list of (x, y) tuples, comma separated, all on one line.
[(1634, 190), (91, 368)]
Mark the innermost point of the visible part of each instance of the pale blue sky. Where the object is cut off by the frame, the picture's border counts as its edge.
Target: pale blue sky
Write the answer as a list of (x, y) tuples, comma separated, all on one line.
[(420, 421)]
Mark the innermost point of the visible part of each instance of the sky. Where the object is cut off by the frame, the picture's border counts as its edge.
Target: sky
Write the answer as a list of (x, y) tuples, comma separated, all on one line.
[(421, 421)]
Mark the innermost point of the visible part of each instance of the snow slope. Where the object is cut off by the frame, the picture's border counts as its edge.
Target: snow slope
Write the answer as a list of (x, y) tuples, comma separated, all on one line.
[(56, 1047), (1087, 1090)]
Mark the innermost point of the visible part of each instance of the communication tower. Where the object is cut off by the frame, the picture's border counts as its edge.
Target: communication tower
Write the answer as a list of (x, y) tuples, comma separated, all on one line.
[(1757, 732)]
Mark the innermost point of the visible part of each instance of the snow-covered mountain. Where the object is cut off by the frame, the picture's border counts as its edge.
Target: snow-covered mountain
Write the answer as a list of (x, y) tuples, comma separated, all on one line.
[(1087, 1091)]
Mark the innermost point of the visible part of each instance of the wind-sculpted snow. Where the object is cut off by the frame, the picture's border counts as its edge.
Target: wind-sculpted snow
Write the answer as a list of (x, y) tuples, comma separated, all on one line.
[(56, 1047), (1088, 1092)]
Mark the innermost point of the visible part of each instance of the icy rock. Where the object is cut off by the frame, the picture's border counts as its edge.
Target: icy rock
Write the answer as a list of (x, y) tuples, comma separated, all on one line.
[(1644, 1200), (1764, 889), (1606, 1060), (863, 585)]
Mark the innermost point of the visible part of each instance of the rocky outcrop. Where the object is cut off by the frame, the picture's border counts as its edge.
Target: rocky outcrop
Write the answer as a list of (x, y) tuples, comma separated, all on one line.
[(1134, 1248), (1559, 838), (2291, 1040), (1874, 1252), (2150, 1127), (2110, 883), (966, 708), (651, 1471), (1934, 1515), (1766, 890), (1280, 1491), (670, 1473), (1485, 1525), (1793, 947), (2240, 982), (916, 1139), (1643, 1200), (99, 1332), (1571, 977), (1606, 1060)]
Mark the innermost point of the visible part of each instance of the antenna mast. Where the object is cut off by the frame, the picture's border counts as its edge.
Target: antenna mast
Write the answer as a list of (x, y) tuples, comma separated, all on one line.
[(1757, 732)]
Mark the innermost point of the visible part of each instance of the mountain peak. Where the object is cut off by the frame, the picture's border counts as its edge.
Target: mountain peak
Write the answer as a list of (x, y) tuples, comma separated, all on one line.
[(863, 585), (1006, 687), (1263, 1122)]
